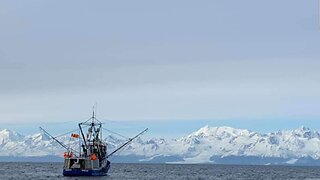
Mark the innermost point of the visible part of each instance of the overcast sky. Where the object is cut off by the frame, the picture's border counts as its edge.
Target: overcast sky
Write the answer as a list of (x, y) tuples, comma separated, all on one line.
[(159, 60)]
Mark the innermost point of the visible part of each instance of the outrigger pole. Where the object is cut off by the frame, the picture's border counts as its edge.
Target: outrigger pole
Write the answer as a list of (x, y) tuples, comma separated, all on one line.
[(126, 143), (63, 145)]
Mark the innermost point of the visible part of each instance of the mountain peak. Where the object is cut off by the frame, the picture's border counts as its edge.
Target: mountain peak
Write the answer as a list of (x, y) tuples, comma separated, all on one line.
[(202, 145), (303, 128), (8, 135), (305, 132), (40, 137), (4, 131), (220, 131), (7, 131)]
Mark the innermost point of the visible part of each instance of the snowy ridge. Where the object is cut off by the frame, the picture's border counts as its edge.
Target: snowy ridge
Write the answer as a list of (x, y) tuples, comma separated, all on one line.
[(206, 145)]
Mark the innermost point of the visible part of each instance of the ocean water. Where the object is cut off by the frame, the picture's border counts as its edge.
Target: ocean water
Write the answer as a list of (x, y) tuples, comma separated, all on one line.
[(36, 171)]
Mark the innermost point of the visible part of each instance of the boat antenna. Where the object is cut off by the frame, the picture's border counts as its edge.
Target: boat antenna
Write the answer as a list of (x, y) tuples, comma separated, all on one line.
[(96, 108), (92, 111)]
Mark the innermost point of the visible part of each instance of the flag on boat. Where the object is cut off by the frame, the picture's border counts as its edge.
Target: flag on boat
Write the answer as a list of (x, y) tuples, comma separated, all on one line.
[(75, 135)]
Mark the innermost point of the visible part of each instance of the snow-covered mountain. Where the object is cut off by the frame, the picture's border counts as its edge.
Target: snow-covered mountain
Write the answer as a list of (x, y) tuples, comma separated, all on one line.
[(206, 145)]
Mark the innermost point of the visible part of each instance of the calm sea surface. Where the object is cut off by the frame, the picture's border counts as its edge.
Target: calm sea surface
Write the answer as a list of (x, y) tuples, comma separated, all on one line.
[(162, 171)]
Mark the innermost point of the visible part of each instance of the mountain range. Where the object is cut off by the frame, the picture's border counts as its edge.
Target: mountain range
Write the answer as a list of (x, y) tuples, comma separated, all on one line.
[(220, 145)]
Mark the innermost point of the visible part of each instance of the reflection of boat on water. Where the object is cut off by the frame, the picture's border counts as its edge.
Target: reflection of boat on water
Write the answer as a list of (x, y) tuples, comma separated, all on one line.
[(92, 157)]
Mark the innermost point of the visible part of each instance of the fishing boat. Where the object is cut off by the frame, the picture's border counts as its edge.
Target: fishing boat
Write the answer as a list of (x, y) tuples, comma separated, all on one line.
[(92, 158)]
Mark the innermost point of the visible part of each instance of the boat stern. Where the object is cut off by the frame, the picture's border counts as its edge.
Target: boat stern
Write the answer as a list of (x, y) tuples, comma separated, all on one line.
[(84, 167)]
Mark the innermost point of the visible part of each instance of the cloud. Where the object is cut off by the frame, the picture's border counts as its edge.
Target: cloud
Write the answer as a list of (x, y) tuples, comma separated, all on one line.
[(153, 61)]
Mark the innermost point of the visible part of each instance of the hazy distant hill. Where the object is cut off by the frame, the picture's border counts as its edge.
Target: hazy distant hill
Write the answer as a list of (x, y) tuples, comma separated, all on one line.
[(223, 145)]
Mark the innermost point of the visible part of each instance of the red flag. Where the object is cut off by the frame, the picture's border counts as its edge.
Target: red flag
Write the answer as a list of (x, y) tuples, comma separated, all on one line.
[(75, 135)]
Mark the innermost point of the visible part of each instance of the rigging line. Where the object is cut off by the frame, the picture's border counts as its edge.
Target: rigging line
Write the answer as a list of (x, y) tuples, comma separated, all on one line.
[(124, 124), (115, 133), (67, 133), (129, 141), (87, 120), (84, 121), (59, 142), (99, 121), (112, 121), (57, 123)]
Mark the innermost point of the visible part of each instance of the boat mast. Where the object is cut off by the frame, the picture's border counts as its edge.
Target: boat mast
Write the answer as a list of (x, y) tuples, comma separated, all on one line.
[(92, 139)]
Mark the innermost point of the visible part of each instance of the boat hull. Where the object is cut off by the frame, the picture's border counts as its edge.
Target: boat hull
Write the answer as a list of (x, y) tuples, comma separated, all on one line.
[(87, 172)]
